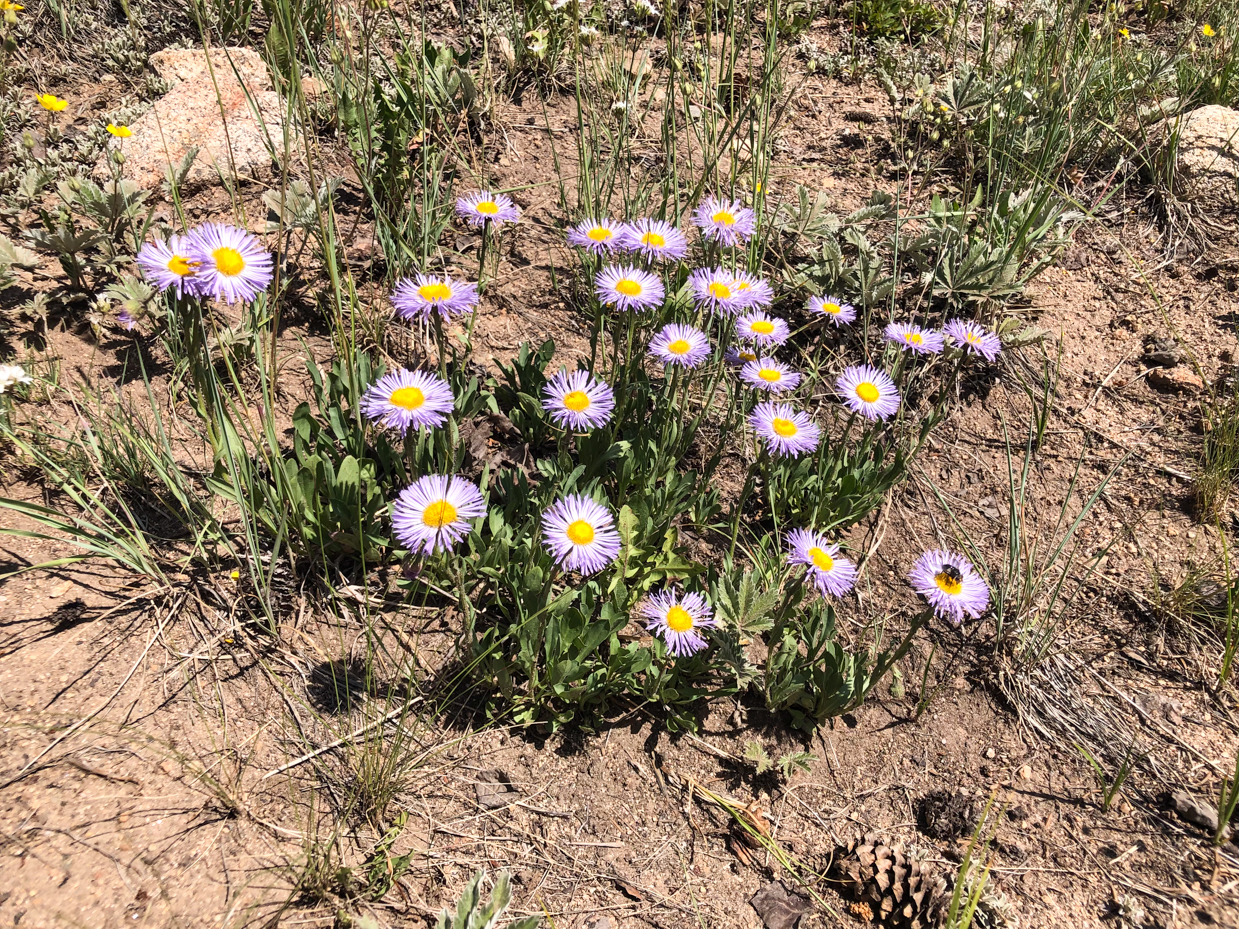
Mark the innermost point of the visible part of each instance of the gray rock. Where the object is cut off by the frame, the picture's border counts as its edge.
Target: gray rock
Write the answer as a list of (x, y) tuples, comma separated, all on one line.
[(227, 110), (1163, 353), (779, 909), (494, 790)]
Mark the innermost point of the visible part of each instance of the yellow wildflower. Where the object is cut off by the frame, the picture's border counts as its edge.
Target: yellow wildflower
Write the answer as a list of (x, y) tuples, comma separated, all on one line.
[(1123, 33), (121, 132), (51, 102), (1207, 31)]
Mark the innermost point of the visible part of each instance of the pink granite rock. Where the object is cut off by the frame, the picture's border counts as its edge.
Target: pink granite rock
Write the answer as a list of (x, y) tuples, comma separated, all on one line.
[(227, 110)]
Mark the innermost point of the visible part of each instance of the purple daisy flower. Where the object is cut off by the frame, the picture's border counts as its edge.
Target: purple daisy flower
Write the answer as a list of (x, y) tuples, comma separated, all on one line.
[(868, 391), (976, 339), (713, 290), (832, 574), (769, 375), (407, 399), (432, 514), (739, 355), (125, 320), (655, 239), (785, 430), (677, 618), (628, 288), (727, 222), (834, 309), (762, 330), (950, 584), (598, 236), (420, 296), (914, 338), (751, 290), (576, 401), (479, 208), (580, 534), (681, 345), (232, 264), (169, 264)]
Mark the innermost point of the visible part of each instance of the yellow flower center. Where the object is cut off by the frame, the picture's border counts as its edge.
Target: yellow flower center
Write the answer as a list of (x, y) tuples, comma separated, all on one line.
[(741, 285), (407, 398), (821, 560), (722, 216), (832, 308), (228, 261), (972, 337), (435, 292), (580, 532), (867, 391), (653, 240), (679, 347), (912, 338), (599, 234), (784, 427), (576, 401), (439, 514), (487, 207), (762, 326), (182, 267), (627, 287), (746, 356), (719, 291), (947, 584), (679, 619), (770, 374)]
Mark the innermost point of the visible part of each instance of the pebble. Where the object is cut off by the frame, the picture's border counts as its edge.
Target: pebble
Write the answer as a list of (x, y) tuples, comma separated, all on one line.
[(1025, 773)]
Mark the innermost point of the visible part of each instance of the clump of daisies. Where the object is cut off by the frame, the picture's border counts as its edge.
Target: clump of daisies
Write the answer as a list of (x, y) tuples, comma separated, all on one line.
[(214, 261)]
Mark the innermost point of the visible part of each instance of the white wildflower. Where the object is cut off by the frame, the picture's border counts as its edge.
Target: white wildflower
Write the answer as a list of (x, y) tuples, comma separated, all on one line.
[(12, 374)]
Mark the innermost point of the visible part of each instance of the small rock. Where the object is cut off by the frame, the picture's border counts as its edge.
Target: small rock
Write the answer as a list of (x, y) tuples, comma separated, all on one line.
[(1191, 810), (1175, 380), (777, 908), (1025, 773), (1074, 259), (990, 753), (1163, 353), (494, 790)]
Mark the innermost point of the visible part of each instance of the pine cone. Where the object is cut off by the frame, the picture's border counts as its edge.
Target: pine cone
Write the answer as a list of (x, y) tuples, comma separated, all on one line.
[(903, 893)]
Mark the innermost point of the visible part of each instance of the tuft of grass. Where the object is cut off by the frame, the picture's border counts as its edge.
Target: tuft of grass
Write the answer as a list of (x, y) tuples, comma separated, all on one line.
[(1109, 786), (1219, 456)]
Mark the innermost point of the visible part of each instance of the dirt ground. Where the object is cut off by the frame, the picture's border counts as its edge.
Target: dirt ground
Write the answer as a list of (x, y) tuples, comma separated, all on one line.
[(142, 743)]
